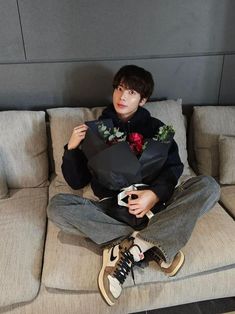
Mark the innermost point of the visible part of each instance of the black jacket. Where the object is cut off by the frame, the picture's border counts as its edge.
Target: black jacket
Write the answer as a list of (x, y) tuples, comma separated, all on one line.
[(77, 174)]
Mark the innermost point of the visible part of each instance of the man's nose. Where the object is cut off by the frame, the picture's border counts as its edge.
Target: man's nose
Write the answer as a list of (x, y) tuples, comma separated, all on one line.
[(124, 94)]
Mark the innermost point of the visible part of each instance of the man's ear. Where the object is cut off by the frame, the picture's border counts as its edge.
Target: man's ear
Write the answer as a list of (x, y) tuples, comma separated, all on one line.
[(142, 102)]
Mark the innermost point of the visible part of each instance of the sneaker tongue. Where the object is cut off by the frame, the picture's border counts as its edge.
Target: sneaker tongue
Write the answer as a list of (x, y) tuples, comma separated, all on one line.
[(137, 254), (114, 286)]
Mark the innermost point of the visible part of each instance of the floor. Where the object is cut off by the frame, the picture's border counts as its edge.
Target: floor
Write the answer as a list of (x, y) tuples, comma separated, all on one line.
[(218, 306)]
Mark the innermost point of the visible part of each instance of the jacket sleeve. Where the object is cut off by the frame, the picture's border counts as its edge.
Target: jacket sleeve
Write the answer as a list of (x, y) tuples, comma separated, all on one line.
[(74, 168), (164, 184)]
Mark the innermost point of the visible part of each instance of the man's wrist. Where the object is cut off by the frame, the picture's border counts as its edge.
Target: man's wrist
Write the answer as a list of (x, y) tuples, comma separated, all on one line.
[(156, 198)]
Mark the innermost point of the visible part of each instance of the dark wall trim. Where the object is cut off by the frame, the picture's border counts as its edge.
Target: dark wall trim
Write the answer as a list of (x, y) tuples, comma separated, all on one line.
[(127, 58)]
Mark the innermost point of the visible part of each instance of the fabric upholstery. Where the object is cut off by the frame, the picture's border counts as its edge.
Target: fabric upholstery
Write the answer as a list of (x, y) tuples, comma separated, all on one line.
[(170, 112), (227, 159), (22, 231), (73, 263), (63, 120), (213, 233), (227, 197), (3, 181), (209, 122), (23, 148), (210, 285)]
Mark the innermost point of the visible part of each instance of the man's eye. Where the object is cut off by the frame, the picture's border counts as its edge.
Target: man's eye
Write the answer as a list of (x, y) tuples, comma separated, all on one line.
[(132, 92), (119, 88)]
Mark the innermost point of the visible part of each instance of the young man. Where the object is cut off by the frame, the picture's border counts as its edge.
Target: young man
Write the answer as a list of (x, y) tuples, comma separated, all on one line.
[(168, 230)]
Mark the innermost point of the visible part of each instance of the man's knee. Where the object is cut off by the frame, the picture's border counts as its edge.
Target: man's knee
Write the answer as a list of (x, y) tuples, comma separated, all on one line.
[(54, 207), (210, 185), (209, 182)]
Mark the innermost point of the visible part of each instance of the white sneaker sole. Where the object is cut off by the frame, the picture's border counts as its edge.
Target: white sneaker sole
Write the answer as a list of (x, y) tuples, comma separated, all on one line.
[(101, 276)]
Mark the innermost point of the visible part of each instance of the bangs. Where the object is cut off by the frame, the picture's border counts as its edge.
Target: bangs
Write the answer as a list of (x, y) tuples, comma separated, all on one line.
[(135, 78), (131, 82)]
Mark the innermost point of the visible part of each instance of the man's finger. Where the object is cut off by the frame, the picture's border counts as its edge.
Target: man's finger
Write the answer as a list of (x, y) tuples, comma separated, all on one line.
[(133, 207), (80, 127), (133, 193), (141, 215)]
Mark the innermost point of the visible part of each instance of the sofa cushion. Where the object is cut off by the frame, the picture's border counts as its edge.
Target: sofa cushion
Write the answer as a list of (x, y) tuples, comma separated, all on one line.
[(209, 122), (210, 248), (3, 181), (170, 112), (227, 159), (73, 263), (210, 285), (23, 148), (22, 231), (227, 197), (63, 120)]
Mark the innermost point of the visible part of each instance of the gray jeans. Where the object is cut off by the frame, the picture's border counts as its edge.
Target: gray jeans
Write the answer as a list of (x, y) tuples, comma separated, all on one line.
[(169, 230)]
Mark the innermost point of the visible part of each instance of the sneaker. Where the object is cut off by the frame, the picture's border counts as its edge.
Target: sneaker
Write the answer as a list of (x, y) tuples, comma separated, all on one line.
[(117, 263), (170, 269)]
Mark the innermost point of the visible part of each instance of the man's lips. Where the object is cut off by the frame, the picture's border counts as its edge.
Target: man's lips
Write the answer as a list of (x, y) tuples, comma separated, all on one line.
[(121, 106)]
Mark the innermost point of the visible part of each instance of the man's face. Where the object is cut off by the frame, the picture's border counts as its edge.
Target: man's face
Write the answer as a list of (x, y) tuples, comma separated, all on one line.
[(126, 102)]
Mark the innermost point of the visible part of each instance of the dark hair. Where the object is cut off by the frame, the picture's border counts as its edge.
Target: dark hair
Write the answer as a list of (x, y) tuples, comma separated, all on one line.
[(136, 78)]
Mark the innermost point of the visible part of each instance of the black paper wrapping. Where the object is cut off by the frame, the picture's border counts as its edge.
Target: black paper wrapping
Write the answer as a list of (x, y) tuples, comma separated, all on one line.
[(117, 167)]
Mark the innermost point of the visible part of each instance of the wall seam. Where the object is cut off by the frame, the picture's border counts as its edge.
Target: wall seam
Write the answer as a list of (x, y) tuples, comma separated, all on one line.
[(21, 28), (221, 78), (153, 57)]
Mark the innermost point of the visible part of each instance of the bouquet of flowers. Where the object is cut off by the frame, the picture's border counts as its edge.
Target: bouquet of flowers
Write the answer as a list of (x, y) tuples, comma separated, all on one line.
[(118, 160)]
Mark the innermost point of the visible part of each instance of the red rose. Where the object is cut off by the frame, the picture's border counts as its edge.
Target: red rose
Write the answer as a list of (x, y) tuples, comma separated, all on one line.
[(136, 141)]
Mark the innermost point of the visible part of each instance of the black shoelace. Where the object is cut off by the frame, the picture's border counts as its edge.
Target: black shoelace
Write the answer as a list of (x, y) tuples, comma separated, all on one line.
[(124, 266)]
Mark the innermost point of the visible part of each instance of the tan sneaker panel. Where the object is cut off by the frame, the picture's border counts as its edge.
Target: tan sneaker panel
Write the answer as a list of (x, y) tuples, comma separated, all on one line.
[(175, 266)]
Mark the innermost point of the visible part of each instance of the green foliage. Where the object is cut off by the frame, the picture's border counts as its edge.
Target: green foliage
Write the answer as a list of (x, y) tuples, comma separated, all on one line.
[(111, 135), (165, 133)]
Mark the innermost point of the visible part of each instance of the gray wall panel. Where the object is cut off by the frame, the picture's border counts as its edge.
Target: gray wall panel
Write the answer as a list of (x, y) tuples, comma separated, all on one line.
[(119, 29), (227, 93), (90, 83), (11, 46), (194, 79)]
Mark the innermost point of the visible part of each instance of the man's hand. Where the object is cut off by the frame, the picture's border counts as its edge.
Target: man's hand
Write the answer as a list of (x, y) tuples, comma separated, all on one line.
[(77, 136), (143, 202)]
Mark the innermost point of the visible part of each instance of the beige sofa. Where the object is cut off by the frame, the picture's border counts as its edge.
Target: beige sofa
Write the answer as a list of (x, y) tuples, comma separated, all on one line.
[(43, 270)]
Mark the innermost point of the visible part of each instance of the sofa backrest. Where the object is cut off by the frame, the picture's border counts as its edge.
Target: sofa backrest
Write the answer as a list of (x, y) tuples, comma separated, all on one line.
[(170, 112), (62, 123), (23, 148), (63, 120), (209, 124)]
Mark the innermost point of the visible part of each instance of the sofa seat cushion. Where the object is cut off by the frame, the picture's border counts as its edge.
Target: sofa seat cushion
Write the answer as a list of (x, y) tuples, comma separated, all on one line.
[(227, 197), (22, 231), (210, 248), (73, 263)]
